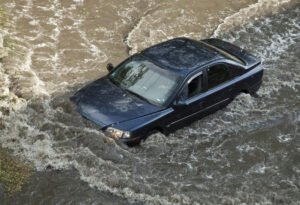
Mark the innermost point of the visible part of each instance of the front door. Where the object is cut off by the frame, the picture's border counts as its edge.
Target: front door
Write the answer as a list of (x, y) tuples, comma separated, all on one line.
[(190, 102)]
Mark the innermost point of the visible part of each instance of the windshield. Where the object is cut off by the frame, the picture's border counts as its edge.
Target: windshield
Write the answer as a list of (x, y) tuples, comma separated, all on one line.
[(146, 80)]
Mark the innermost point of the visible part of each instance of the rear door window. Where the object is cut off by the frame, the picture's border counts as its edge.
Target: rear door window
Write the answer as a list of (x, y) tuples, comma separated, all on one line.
[(217, 75)]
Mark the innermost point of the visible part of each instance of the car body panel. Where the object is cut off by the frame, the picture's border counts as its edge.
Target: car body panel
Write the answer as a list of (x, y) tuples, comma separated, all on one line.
[(200, 106), (121, 106), (147, 122), (108, 105), (248, 59), (181, 55)]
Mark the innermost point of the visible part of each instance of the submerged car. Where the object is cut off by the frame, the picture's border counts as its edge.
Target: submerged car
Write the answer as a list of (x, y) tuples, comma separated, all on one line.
[(168, 86)]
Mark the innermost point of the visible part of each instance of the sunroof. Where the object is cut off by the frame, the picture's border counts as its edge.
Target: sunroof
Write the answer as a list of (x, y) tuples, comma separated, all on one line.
[(180, 54)]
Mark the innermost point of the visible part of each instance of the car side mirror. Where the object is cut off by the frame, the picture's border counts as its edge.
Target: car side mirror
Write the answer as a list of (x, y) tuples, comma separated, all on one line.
[(109, 67), (179, 103)]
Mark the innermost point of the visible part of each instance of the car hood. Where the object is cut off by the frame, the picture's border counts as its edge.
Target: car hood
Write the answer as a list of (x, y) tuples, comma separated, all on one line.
[(104, 103)]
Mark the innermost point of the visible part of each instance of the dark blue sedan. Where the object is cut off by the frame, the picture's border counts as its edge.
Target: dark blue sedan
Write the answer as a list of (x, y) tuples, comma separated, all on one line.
[(168, 86)]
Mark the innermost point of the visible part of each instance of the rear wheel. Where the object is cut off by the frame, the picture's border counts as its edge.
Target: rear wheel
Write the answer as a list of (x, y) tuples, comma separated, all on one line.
[(253, 90)]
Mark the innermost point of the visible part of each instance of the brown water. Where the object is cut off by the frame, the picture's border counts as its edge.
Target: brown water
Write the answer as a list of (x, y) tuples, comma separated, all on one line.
[(248, 152)]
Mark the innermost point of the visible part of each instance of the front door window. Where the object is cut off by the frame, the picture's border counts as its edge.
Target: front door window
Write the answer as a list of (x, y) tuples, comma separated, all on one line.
[(193, 88)]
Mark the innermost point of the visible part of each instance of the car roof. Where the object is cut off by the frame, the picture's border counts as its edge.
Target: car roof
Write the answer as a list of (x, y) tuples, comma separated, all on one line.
[(181, 55)]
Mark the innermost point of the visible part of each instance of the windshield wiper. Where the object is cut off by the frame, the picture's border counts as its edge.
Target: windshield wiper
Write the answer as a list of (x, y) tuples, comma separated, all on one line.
[(129, 91), (114, 82), (137, 95)]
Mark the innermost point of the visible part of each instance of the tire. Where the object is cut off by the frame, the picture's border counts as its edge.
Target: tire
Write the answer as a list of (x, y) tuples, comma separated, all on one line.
[(254, 89), (133, 144), (254, 94)]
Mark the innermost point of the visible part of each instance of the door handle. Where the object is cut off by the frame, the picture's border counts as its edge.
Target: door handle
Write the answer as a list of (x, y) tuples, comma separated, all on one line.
[(200, 103)]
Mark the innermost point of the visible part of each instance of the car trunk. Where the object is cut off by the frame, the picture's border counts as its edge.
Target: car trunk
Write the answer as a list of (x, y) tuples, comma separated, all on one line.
[(248, 60)]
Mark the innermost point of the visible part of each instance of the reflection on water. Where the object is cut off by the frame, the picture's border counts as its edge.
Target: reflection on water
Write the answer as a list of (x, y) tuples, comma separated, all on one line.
[(247, 152)]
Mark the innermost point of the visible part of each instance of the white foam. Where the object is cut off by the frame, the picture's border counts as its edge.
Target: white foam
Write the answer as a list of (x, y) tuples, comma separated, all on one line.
[(24, 131), (247, 14)]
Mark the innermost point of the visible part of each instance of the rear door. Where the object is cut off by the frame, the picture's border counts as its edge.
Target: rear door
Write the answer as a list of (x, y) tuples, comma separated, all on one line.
[(221, 86)]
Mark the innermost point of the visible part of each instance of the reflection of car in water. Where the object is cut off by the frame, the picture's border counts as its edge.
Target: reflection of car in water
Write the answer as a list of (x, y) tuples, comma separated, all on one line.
[(168, 86)]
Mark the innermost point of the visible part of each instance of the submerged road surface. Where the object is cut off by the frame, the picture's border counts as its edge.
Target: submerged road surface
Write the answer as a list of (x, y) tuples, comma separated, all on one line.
[(248, 152)]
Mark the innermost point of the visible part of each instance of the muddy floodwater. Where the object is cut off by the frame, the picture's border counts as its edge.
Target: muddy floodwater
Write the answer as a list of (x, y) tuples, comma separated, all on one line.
[(248, 152)]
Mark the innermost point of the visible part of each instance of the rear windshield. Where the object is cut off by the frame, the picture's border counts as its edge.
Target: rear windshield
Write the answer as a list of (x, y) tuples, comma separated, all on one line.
[(225, 54)]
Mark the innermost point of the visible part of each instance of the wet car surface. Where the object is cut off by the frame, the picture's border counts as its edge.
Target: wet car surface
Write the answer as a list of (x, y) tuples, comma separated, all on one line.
[(168, 86)]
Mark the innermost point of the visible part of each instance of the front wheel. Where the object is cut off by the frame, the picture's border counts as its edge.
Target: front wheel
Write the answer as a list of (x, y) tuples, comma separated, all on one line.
[(133, 143), (254, 94)]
